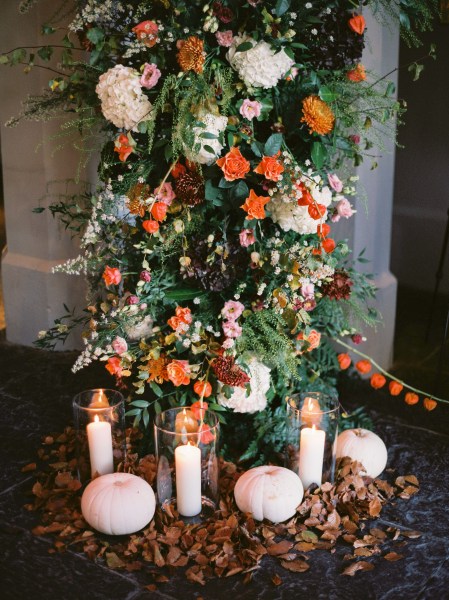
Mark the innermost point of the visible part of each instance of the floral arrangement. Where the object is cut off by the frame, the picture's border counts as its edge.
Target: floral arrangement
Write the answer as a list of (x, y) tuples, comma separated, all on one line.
[(224, 129)]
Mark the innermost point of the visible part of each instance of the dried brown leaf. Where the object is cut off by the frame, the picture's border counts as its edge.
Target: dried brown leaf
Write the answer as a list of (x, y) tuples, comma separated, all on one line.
[(276, 579), (361, 565), (297, 566), (393, 556), (280, 548)]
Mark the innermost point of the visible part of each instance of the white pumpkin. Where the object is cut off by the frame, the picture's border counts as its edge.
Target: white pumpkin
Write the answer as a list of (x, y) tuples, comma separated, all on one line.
[(269, 492), (364, 446), (118, 503)]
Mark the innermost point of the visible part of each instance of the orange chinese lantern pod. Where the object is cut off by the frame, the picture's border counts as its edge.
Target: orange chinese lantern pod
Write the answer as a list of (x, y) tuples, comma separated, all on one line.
[(363, 366), (202, 388), (395, 388), (357, 24), (344, 360), (316, 211), (429, 404), (328, 245), (377, 381), (159, 211), (323, 230), (411, 398), (150, 226)]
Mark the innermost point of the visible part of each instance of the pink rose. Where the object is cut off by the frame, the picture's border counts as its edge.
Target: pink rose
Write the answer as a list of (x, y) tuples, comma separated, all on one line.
[(232, 329), (150, 76), (250, 109), (344, 209), (228, 344), (335, 182), (355, 139), (164, 193), (132, 300), (246, 237), (308, 290), (120, 346), (145, 276), (224, 38), (232, 310)]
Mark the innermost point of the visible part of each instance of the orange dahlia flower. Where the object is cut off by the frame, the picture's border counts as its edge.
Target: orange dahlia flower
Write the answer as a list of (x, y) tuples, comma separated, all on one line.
[(317, 115), (270, 167), (234, 165), (191, 54), (254, 205)]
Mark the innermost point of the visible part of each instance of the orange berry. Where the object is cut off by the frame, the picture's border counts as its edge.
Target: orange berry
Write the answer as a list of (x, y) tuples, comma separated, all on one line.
[(363, 366), (395, 388), (411, 398), (344, 360), (202, 388), (429, 404), (377, 381), (150, 226)]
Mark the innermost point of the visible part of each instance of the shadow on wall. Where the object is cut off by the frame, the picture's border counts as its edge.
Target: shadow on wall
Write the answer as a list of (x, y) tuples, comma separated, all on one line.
[(2, 245)]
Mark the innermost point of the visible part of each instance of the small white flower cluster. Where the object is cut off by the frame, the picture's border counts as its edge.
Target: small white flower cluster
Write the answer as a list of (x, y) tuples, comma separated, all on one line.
[(260, 66), (100, 13), (213, 125), (134, 47), (122, 100), (259, 384), (74, 266)]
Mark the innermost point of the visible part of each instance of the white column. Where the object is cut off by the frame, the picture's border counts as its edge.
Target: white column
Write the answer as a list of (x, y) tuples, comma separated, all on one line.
[(33, 296), (371, 228)]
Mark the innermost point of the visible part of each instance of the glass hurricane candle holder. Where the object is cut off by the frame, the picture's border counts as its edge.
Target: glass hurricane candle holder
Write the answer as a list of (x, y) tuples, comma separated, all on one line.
[(312, 430), (186, 443), (99, 418)]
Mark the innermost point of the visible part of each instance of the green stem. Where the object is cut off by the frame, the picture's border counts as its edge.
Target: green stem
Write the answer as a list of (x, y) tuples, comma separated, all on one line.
[(373, 362)]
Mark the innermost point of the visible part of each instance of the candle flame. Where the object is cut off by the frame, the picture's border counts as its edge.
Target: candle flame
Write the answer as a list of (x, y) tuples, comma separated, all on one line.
[(313, 428), (311, 405), (96, 418)]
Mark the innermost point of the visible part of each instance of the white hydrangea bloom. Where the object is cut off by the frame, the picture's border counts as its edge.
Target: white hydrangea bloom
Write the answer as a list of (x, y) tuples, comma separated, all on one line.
[(259, 66), (122, 100), (214, 124), (289, 216), (259, 384), (140, 330)]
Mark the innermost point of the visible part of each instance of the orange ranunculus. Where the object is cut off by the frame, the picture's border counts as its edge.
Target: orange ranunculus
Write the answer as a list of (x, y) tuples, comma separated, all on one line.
[(357, 74), (159, 211), (198, 409), (270, 168), (328, 245), (363, 366), (114, 366), (377, 381), (202, 388), (344, 360), (178, 372), (174, 322), (234, 165), (323, 230), (395, 388), (316, 211), (429, 404), (411, 398), (112, 276), (357, 24), (150, 226), (146, 32), (254, 206), (184, 314), (123, 147)]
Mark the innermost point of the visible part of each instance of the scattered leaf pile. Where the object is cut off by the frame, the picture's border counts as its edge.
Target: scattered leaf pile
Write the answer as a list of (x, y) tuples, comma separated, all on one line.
[(229, 542)]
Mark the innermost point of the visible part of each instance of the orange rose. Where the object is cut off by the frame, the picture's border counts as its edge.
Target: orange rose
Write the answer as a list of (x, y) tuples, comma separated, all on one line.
[(234, 165), (254, 206), (411, 398), (123, 147), (270, 168), (184, 314), (395, 388), (146, 32), (174, 322), (159, 211), (150, 226), (429, 404), (314, 339), (328, 245), (198, 408), (357, 74), (357, 24), (377, 381), (112, 276), (344, 360), (114, 366), (202, 388), (363, 366), (178, 372)]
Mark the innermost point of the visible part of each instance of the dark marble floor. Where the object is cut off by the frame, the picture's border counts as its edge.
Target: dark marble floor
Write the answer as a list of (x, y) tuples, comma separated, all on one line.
[(35, 394)]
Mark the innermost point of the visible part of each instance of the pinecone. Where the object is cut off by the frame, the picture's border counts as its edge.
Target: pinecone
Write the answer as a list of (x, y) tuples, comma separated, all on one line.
[(339, 288), (336, 46), (216, 271), (190, 188), (228, 372)]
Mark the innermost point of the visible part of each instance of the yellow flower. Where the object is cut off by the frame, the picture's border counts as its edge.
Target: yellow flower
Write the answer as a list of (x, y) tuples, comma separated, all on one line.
[(318, 115)]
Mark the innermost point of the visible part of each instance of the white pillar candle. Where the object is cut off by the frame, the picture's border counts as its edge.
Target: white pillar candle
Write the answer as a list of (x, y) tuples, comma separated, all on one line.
[(188, 479), (311, 453), (99, 437)]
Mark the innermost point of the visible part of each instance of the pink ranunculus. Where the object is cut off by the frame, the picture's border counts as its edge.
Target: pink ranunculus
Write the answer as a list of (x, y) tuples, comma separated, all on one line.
[(335, 182), (150, 76), (224, 38), (250, 109), (232, 310), (145, 276), (246, 237), (308, 290), (132, 300), (120, 346), (344, 209), (355, 139), (232, 329), (164, 193)]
